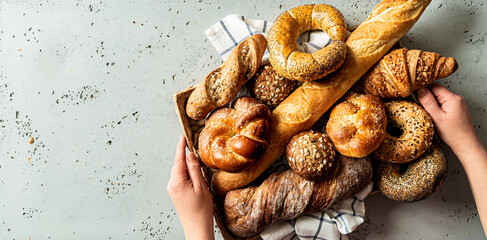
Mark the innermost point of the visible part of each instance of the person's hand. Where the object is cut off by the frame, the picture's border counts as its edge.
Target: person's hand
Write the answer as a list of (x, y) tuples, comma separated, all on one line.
[(190, 195), (451, 117)]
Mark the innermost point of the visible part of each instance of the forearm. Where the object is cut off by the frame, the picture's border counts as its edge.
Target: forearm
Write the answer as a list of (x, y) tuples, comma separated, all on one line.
[(474, 161)]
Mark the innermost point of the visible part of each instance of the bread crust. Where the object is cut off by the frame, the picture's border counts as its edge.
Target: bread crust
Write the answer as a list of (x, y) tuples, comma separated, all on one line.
[(357, 125), (403, 71), (388, 22), (233, 138), (416, 136), (283, 52), (286, 195), (421, 178), (222, 84), (311, 155), (269, 87)]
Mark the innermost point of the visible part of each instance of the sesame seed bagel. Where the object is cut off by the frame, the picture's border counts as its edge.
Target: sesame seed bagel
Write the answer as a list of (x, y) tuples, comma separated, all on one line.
[(409, 132), (311, 155), (283, 52), (421, 178)]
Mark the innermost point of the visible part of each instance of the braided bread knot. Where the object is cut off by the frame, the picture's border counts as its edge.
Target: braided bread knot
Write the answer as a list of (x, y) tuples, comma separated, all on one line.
[(234, 137)]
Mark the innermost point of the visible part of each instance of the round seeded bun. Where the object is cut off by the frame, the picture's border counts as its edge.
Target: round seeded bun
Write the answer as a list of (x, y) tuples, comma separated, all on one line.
[(311, 155), (269, 87)]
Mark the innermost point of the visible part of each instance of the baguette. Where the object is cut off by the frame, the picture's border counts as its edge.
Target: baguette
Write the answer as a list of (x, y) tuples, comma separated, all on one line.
[(286, 195), (389, 21), (222, 84)]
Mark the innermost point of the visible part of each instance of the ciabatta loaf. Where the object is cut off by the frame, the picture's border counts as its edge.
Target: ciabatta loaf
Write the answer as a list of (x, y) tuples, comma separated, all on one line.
[(388, 22)]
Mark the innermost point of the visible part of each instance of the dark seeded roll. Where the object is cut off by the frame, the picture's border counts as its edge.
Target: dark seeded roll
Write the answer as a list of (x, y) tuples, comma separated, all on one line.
[(311, 155), (420, 179), (269, 87)]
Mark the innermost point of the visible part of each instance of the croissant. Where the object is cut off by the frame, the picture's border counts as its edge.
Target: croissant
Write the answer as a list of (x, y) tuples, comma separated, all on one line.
[(402, 71)]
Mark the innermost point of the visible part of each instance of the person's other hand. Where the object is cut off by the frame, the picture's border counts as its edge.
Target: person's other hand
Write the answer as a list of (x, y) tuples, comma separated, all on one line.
[(190, 195), (450, 115)]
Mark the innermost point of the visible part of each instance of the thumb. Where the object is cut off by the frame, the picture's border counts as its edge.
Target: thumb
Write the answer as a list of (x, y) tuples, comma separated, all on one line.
[(194, 170), (428, 100)]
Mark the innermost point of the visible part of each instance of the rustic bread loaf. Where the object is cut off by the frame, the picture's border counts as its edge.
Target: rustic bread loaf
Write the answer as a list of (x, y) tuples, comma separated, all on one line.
[(286, 195), (388, 22), (222, 84)]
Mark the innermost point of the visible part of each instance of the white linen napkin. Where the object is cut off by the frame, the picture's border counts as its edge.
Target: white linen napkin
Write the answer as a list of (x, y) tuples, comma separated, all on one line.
[(333, 223)]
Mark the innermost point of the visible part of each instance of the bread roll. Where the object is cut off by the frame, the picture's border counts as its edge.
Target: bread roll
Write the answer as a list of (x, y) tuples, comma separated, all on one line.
[(357, 125), (389, 21), (311, 155), (269, 87), (233, 138)]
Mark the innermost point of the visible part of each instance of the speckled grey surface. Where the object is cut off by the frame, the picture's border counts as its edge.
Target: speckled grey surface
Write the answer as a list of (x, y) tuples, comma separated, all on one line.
[(92, 83)]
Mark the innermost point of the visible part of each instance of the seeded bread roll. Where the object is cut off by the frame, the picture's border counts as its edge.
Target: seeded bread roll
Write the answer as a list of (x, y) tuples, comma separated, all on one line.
[(269, 87), (311, 155)]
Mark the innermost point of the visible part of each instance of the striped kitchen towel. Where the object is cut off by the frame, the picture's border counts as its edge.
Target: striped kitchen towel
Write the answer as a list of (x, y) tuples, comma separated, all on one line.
[(233, 29), (333, 223)]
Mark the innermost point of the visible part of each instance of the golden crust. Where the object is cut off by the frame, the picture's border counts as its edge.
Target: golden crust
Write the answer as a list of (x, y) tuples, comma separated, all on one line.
[(298, 112), (233, 138), (311, 155), (415, 128), (402, 71), (283, 53), (421, 177), (357, 125), (222, 84)]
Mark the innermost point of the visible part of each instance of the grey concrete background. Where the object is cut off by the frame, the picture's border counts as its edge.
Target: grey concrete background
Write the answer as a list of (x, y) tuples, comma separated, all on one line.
[(92, 83)]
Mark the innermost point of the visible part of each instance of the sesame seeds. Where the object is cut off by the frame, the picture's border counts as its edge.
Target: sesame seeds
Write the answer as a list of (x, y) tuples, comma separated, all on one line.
[(416, 137)]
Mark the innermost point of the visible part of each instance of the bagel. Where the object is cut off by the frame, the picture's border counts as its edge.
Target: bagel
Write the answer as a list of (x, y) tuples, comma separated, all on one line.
[(409, 132), (421, 178), (283, 53)]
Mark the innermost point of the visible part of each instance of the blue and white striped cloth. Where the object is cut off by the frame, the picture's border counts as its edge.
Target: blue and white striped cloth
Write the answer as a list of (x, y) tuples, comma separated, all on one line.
[(233, 29), (333, 223)]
